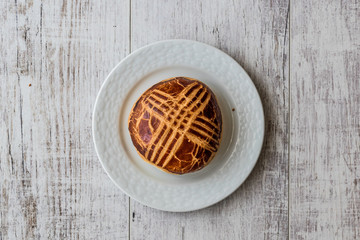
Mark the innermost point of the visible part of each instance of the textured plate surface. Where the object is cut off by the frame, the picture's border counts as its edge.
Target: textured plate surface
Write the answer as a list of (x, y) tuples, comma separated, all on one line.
[(243, 125)]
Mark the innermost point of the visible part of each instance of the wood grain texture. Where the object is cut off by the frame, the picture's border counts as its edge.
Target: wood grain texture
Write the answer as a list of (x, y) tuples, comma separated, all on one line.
[(54, 55), (255, 33), (325, 114)]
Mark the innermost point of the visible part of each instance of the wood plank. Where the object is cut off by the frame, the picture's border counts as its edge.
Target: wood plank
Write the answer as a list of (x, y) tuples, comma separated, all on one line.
[(54, 56), (255, 33), (325, 114)]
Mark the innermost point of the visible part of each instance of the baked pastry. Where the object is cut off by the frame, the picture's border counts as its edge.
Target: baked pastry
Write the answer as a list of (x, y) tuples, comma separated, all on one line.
[(176, 125)]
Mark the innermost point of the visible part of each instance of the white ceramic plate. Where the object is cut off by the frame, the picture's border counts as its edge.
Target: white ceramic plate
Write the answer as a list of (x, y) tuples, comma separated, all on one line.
[(243, 125)]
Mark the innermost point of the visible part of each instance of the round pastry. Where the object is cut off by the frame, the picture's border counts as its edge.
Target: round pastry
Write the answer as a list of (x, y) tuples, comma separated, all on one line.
[(176, 125)]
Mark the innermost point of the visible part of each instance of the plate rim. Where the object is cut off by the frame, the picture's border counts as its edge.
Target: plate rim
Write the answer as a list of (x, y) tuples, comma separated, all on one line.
[(223, 54)]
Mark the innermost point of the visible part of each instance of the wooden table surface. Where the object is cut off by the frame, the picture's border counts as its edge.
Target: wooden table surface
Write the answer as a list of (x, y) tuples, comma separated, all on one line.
[(303, 56)]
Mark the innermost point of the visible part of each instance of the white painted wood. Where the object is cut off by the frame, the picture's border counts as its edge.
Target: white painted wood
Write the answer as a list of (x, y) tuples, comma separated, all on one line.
[(256, 34), (325, 114), (52, 184)]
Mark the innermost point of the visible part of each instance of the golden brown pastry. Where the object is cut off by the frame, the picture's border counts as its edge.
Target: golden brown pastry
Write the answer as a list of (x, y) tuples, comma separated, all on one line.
[(176, 125)]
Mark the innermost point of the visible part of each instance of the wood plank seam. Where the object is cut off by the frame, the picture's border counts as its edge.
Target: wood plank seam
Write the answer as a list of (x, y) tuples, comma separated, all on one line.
[(289, 110), (130, 50)]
